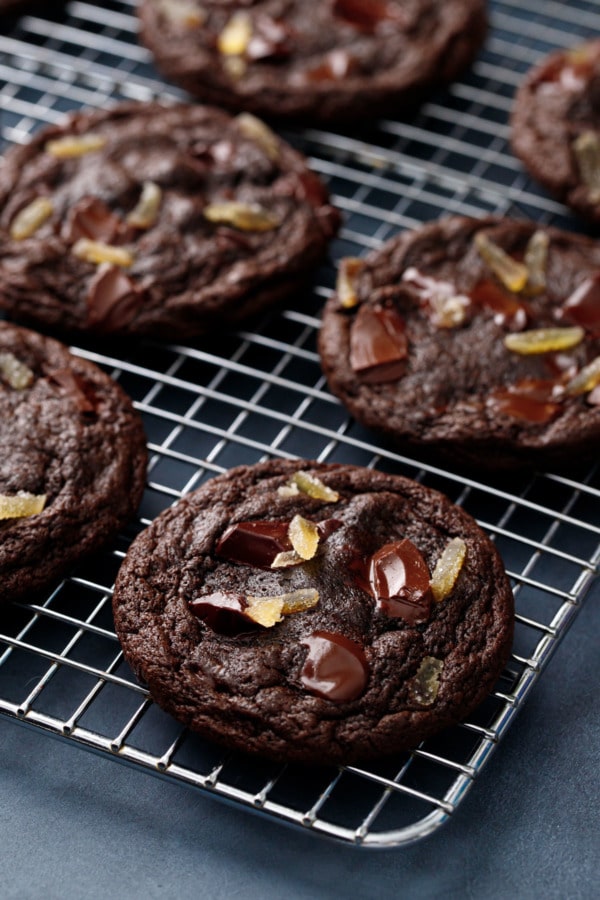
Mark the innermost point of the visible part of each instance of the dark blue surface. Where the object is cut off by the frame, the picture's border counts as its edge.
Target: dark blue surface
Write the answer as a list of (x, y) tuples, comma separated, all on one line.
[(77, 825)]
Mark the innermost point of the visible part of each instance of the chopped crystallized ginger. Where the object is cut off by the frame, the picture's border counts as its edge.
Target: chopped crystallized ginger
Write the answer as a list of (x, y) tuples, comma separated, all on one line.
[(310, 485), (345, 286), (75, 145), (585, 380), (447, 568), (98, 253), (304, 536), (14, 372), (267, 611), (513, 275), (256, 130), (145, 212), (30, 218), (544, 340), (245, 216), (21, 505), (235, 36)]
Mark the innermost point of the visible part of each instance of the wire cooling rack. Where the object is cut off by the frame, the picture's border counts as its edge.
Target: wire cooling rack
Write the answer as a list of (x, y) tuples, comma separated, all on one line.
[(241, 396)]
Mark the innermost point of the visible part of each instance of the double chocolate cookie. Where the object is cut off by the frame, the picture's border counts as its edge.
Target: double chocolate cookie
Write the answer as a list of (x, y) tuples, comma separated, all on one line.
[(315, 613), (11, 6), (328, 61), (72, 460), (474, 341), (157, 220), (555, 126)]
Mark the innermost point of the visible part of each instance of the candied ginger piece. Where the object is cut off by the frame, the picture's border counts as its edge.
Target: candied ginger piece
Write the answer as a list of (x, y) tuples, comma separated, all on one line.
[(14, 372), (145, 212), (97, 252), (536, 257), (30, 218), (587, 153), (586, 379), (447, 568), (255, 130), (235, 36), (306, 483), (304, 536), (345, 285), (245, 216), (184, 13), (426, 683), (286, 558), (21, 505), (75, 145), (513, 275), (267, 611), (544, 340)]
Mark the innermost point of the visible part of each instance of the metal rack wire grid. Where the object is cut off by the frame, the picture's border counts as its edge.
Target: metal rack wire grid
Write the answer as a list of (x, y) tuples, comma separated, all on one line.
[(242, 396)]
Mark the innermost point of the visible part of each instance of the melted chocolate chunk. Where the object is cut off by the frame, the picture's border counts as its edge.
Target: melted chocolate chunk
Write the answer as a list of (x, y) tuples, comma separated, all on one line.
[(254, 543), (77, 388), (530, 400), (583, 306), (91, 218), (337, 65), (336, 667), (400, 582), (223, 612), (508, 311), (113, 300), (303, 186), (366, 15), (378, 344), (257, 543)]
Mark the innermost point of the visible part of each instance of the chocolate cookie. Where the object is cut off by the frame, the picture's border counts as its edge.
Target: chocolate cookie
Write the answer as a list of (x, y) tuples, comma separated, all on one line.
[(158, 220), (328, 61), (315, 613), (72, 460), (474, 341), (11, 6), (555, 126)]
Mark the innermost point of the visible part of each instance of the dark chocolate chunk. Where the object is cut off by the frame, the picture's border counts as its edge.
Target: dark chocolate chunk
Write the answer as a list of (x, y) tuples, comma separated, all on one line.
[(378, 344), (254, 543), (399, 579), (335, 667)]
